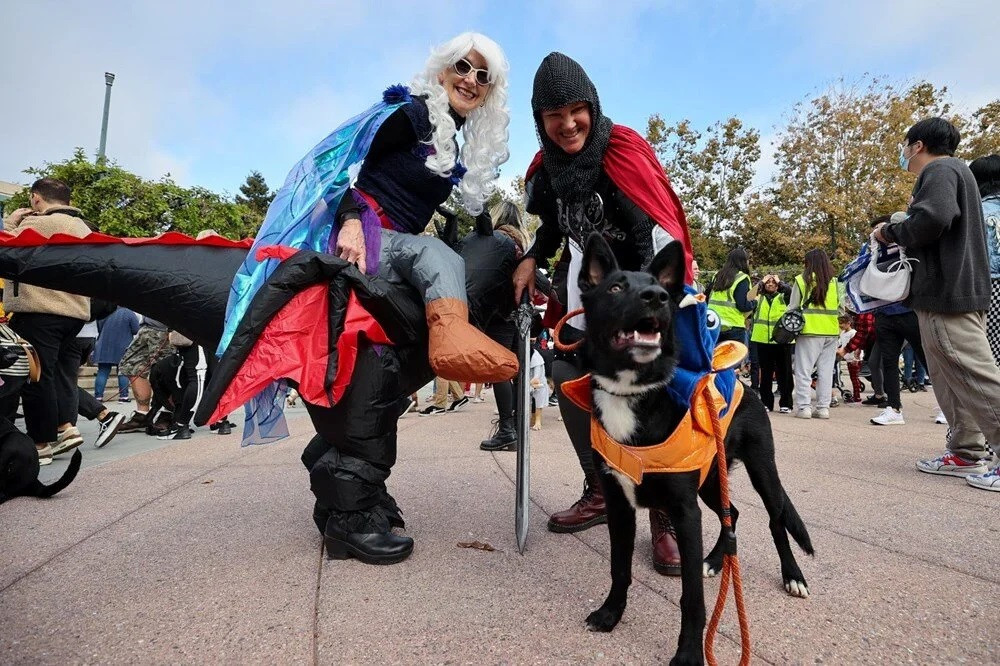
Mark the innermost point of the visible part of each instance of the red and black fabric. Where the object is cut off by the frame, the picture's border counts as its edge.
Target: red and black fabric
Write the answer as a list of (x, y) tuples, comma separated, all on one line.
[(632, 166), (304, 324), (173, 278)]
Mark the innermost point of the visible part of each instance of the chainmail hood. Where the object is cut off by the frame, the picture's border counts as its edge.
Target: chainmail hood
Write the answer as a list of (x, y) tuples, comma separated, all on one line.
[(559, 81)]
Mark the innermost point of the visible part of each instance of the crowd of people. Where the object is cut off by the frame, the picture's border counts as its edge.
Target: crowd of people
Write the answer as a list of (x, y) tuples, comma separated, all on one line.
[(590, 176), (67, 331)]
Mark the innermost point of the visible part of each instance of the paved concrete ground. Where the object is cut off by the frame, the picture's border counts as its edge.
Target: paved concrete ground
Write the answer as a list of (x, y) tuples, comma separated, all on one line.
[(200, 551)]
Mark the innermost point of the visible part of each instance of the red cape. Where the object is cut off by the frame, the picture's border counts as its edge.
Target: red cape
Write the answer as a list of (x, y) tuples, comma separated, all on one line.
[(632, 166)]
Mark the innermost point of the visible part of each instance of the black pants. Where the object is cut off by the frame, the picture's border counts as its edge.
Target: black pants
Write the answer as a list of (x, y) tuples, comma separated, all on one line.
[(891, 331), (504, 333), (775, 361), (564, 368), (53, 399), (354, 450), (179, 384), (87, 405)]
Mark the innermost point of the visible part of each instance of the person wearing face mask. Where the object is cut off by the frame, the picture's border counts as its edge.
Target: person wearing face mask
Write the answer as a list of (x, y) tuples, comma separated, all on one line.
[(592, 176), (950, 291)]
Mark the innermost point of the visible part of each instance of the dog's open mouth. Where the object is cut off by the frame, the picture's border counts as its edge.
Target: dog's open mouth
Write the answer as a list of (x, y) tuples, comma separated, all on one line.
[(645, 335)]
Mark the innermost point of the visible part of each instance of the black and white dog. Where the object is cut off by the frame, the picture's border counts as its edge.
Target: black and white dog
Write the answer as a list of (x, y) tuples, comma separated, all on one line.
[(630, 349)]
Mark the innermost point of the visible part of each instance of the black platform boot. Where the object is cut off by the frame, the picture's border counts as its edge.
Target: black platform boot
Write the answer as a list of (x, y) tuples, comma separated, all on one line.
[(505, 438), (378, 548)]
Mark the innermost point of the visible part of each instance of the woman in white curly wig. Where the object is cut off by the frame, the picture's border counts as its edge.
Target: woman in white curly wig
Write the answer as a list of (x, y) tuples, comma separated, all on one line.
[(410, 169)]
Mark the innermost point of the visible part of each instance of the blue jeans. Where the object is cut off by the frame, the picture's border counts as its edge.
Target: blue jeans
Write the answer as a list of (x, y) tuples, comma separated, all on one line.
[(101, 381), (908, 362)]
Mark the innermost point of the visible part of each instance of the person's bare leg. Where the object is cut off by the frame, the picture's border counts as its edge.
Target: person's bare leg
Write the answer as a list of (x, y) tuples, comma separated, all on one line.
[(143, 393)]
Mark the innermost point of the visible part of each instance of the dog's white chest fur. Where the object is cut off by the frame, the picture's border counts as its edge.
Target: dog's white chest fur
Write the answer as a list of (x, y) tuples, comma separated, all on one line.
[(619, 420), (616, 414)]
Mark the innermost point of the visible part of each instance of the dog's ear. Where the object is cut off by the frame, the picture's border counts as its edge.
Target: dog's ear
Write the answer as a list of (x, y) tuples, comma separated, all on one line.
[(598, 261), (668, 267)]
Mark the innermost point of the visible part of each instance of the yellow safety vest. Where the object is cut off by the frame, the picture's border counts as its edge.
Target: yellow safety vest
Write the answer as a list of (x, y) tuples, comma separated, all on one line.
[(724, 305), (820, 320), (766, 316)]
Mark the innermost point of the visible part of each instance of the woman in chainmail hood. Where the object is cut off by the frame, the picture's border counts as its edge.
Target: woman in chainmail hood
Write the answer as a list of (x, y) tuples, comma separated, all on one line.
[(593, 176)]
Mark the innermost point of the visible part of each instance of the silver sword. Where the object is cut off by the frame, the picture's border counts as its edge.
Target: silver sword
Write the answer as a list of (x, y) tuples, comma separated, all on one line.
[(522, 413)]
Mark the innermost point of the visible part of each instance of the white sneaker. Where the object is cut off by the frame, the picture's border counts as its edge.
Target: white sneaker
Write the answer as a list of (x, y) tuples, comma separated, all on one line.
[(784, 410), (889, 416), (45, 455), (821, 413), (953, 465), (804, 413), (988, 481), (940, 418), (69, 439)]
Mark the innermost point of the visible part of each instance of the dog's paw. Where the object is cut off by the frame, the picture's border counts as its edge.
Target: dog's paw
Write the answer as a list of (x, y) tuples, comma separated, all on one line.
[(603, 619), (709, 570), (796, 588), (680, 659)]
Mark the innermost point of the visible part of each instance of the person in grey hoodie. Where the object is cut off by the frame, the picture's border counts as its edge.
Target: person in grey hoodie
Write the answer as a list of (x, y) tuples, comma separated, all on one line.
[(950, 292)]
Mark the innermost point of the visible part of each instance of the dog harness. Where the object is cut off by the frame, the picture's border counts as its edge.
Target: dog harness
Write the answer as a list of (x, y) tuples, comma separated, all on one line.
[(692, 444)]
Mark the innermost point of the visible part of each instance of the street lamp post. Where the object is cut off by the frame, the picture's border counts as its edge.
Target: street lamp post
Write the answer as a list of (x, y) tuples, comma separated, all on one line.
[(109, 79)]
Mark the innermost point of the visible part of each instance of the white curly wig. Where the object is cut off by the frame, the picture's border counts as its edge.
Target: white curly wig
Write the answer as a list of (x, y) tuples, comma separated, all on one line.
[(485, 130)]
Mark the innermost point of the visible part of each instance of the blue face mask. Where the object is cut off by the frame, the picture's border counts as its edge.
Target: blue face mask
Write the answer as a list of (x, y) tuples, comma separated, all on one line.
[(904, 162)]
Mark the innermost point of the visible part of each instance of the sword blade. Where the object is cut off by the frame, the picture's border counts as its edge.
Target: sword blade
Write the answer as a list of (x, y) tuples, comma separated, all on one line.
[(522, 411)]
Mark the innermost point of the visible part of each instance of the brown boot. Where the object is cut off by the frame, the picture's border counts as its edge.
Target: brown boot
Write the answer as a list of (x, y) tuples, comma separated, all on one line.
[(461, 352), (588, 511), (666, 555)]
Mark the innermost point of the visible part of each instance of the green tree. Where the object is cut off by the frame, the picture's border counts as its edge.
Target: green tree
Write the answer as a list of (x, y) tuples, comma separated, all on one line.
[(712, 172), (837, 160), (255, 194), (981, 133), (121, 203)]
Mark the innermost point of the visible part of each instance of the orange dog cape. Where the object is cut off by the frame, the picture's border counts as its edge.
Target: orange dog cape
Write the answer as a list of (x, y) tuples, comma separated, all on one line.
[(691, 446)]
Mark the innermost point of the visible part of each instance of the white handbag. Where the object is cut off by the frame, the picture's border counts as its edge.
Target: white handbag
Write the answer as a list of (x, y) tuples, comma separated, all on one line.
[(891, 284)]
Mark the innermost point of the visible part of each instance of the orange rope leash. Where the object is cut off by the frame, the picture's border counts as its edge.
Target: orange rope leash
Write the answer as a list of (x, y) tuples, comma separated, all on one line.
[(730, 561), (558, 329)]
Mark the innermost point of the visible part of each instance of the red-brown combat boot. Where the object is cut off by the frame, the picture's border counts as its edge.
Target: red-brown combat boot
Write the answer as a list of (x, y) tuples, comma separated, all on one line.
[(588, 511), (666, 555)]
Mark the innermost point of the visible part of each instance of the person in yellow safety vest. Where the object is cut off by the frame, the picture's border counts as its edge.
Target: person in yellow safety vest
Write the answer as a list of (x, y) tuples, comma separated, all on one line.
[(775, 359), (815, 291), (731, 297)]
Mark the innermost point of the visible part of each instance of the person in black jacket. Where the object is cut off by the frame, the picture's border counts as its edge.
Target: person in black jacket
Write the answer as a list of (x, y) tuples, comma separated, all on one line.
[(950, 292), (574, 194)]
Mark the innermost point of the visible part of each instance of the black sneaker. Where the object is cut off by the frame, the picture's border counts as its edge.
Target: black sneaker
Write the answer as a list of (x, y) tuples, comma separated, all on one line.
[(176, 432), (431, 409), (220, 425), (108, 428), (879, 401), (458, 404), (137, 423)]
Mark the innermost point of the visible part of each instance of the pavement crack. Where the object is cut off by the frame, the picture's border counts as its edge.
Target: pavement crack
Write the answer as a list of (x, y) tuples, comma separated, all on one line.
[(319, 589)]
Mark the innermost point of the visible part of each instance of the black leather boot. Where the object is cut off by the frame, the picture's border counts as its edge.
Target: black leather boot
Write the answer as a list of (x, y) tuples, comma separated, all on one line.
[(378, 548), (505, 438)]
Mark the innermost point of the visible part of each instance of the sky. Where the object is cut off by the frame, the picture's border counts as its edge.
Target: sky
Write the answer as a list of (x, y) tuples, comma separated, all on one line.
[(208, 91)]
